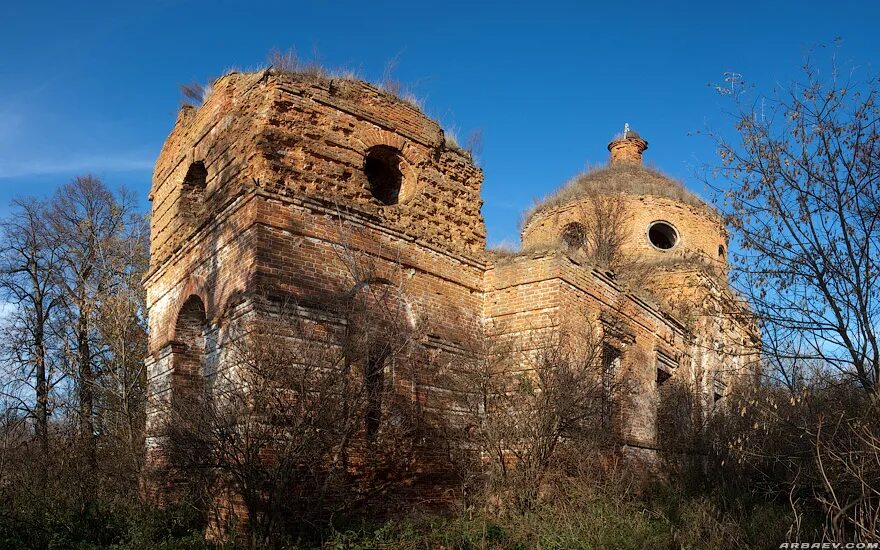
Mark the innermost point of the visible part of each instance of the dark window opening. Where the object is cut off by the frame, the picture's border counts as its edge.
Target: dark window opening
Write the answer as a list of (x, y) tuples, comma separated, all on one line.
[(720, 250), (194, 184), (382, 166), (377, 318), (574, 236), (610, 366), (374, 385), (718, 386), (662, 235), (662, 376)]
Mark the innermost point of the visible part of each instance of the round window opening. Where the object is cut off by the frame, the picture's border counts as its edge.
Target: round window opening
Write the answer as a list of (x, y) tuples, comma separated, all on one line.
[(382, 166), (662, 235), (574, 236)]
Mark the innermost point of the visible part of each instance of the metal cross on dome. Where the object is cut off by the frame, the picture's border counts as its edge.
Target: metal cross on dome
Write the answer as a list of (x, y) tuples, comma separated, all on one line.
[(625, 129)]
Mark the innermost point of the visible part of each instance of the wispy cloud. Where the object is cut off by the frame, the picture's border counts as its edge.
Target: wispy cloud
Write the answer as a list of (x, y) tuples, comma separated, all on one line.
[(40, 142), (81, 165)]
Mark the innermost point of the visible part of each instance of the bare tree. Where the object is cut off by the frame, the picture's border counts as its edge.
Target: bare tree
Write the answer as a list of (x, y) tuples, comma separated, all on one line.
[(73, 328), (29, 269), (816, 449), (802, 192), (532, 399), (305, 416), (847, 458), (604, 217), (194, 94), (474, 143), (90, 227), (312, 409), (121, 345)]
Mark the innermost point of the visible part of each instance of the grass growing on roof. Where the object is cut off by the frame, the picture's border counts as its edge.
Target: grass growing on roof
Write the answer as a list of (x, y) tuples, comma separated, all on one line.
[(621, 177)]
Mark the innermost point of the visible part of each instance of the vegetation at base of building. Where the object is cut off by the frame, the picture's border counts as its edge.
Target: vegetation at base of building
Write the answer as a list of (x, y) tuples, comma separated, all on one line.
[(44, 523), (749, 477), (586, 515), (592, 521)]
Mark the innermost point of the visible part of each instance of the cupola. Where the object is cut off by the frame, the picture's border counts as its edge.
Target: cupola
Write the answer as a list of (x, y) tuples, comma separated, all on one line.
[(627, 147)]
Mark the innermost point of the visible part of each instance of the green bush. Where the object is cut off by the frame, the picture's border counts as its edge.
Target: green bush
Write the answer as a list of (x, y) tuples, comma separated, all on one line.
[(665, 518), (581, 516), (43, 524)]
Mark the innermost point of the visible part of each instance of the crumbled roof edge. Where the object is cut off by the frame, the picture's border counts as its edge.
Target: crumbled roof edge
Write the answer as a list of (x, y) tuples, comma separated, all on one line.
[(319, 75), (505, 253), (591, 181), (502, 256)]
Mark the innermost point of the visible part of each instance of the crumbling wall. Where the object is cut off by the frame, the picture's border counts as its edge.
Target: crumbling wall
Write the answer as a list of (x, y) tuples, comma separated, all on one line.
[(531, 296), (315, 141), (263, 194), (726, 338), (286, 188)]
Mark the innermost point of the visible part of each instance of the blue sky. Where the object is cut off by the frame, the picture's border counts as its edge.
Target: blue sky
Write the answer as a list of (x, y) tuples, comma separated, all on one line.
[(93, 87)]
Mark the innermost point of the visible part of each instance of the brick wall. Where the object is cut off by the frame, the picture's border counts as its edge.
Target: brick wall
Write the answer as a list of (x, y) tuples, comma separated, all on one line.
[(699, 232), (263, 192), (550, 291)]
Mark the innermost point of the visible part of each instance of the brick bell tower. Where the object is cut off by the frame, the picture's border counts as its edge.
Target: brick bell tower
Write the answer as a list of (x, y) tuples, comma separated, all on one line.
[(256, 193)]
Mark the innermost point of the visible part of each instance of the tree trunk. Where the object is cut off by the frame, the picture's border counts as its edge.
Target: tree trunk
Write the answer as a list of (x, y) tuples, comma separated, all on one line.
[(42, 396), (86, 407)]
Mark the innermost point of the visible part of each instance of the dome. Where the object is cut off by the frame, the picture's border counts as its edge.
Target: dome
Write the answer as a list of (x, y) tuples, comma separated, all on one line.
[(629, 178), (650, 217)]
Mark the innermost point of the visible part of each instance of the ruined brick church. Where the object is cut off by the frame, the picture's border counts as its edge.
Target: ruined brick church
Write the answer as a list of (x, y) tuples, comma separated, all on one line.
[(251, 187)]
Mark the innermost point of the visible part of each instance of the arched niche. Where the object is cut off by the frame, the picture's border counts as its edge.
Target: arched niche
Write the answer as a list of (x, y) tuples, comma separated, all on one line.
[(190, 349)]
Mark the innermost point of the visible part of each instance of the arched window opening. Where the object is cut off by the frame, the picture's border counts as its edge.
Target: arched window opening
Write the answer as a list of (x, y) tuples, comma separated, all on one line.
[(189, 357), (662, 235), (574, 236), (187, 399), (382, 166), (721, 251), (193, 191)]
